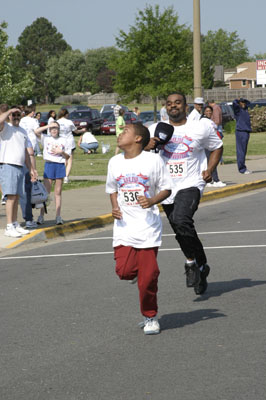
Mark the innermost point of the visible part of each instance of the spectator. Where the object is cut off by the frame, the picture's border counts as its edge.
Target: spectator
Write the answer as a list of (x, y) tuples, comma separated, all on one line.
[(67, 128), (88, 143), (163, 113), (207, 113), (56, 149), (243, 129), (51, 116), (29, 123), (116, 109), (197, 111), (120, 124), (217, 116), (136, 111), (13, 155)]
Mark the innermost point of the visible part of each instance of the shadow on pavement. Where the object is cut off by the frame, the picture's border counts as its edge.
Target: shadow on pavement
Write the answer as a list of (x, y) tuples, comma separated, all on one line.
[(216, 289), (178, 320)]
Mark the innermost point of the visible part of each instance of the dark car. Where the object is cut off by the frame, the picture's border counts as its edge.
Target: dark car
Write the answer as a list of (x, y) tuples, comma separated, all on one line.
[(44, 118), (227, 113), (259, 103), (106, 115), (110, 107), (108, 127), (148, 116), (70, 109), (90, 119)]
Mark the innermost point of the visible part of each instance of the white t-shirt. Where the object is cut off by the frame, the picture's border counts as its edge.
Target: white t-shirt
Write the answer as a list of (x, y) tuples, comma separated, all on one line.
[(13, 142), (66, 129), (141, 175), (50, 120), (48, 143), (88, 137), (184, 155), (194, 115), (30, 124)]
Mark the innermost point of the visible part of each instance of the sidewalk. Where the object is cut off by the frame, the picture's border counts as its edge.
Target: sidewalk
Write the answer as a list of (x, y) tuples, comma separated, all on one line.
[(90, 207)]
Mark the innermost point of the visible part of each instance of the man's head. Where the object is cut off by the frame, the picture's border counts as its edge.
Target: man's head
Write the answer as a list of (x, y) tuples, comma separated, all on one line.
[(176, 108), (134, 134), (242, 102), (212, 102), (15, 117), (198, 104)]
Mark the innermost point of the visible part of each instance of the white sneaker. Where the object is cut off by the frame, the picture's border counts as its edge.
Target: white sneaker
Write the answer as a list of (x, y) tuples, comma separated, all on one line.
[(247, 172), (40, 220), (3, 200), (209, 184), (66, 180), (219, 184), (12, 232), (31, 224), (151, 326), (59, 220), (19, 229)]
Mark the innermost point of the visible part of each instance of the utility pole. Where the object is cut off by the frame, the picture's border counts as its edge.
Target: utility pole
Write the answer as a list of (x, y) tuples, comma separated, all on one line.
[(197, 49)]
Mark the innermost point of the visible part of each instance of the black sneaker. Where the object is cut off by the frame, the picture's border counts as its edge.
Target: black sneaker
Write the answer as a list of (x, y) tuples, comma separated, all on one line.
[(203, 284), (193, 274)]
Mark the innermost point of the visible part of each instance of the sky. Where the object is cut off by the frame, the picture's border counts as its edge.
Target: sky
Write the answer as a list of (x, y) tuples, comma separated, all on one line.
[(90, 24)]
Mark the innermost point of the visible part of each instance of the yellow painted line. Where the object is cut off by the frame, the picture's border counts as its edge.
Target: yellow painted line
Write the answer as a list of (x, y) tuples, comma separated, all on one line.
[(89, 223)]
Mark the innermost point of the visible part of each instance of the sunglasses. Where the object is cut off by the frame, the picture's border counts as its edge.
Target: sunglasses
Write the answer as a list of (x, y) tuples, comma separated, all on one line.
[(16, 115)]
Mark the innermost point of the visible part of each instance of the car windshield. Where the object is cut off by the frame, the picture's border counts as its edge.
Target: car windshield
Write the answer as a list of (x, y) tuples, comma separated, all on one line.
[(80, 114)]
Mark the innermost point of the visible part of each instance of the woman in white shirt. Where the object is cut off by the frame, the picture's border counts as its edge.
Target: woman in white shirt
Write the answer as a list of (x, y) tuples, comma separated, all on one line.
[(51, 116), (67, 128)]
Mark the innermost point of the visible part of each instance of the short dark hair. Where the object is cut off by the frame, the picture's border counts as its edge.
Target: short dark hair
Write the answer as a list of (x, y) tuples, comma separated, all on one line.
[(63, 112), (179, 94), (29, 109), (142, 131)]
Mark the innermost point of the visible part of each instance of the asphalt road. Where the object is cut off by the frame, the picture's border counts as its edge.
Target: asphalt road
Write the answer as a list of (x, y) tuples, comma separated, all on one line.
[(69, 327)]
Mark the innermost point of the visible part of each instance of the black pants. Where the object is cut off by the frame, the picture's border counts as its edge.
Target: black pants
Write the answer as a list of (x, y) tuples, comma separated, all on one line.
[(180, 215)]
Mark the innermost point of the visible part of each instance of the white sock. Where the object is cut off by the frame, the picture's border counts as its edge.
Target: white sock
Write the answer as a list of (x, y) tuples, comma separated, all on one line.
[(189, 262)]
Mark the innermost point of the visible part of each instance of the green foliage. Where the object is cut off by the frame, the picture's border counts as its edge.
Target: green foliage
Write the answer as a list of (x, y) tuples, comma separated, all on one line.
[(37, 44), (230, 127), (66, 74), (155, 56), (99, 75), (224, 48), (14, 86), (258, 119)]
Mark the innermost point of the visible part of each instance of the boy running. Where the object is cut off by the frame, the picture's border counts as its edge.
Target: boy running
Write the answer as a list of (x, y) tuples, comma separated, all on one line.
[(136, 182)]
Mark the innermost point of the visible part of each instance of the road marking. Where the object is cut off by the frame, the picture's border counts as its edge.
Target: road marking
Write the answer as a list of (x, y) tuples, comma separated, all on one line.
[(172, 234), (96, 253)]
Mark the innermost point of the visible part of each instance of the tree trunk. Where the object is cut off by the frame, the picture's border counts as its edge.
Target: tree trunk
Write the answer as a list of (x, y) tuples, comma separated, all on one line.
[(154, 99)]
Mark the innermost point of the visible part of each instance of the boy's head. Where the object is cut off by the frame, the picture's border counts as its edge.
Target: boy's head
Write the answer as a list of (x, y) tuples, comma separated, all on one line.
[(134, 134)]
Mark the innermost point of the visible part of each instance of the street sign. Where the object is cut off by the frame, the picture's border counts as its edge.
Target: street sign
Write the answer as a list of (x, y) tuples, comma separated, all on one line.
[(261, 72)]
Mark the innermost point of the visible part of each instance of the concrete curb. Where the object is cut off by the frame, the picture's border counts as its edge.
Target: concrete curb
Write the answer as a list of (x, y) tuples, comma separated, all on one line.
[(102, 220)]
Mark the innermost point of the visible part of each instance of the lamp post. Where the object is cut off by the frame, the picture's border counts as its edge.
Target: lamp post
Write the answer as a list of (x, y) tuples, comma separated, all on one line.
[(196, 49)]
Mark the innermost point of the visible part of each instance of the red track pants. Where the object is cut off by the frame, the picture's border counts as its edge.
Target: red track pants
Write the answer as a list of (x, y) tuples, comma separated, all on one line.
[(132, 262)]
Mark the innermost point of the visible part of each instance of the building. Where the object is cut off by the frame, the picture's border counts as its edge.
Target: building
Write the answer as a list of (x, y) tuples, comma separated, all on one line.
[(245, 76)]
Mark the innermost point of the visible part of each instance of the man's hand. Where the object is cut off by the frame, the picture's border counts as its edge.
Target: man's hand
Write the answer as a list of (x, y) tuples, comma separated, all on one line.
[(152, 144), (34, 175), (116, 213), (145, 202), (207, 176)]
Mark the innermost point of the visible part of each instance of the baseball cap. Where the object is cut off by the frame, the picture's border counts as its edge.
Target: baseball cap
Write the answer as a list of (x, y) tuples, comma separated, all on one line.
[(198, 100), (164, 132)]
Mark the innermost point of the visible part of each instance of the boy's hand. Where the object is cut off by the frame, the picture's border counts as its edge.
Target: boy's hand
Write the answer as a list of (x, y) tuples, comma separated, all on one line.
[(145, 202), (116, 213)]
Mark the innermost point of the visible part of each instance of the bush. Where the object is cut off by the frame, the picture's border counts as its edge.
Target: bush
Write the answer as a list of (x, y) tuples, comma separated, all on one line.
[(258, 119), (230, 127)]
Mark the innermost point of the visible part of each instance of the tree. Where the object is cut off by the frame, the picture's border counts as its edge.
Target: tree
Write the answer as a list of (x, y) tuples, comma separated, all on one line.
[(66, 74), (37, 43), (14, 87), (223, 48), (97, 61), (155, 56)]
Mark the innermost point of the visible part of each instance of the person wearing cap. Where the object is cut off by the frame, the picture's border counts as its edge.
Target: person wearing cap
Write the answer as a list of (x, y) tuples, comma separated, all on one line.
[(185, 158), (243, 129), (197, 112)]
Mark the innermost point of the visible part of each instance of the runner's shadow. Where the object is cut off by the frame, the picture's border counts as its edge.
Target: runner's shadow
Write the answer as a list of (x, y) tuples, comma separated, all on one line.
[(216, 289), (179, 320)]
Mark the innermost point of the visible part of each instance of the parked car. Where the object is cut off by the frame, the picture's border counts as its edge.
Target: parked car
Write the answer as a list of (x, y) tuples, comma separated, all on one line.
[(44, 118), (108, 127), (110, 107), (227, 113), (148, 116), (90, 119), (70, 109), (106, 114), (259, 103)]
